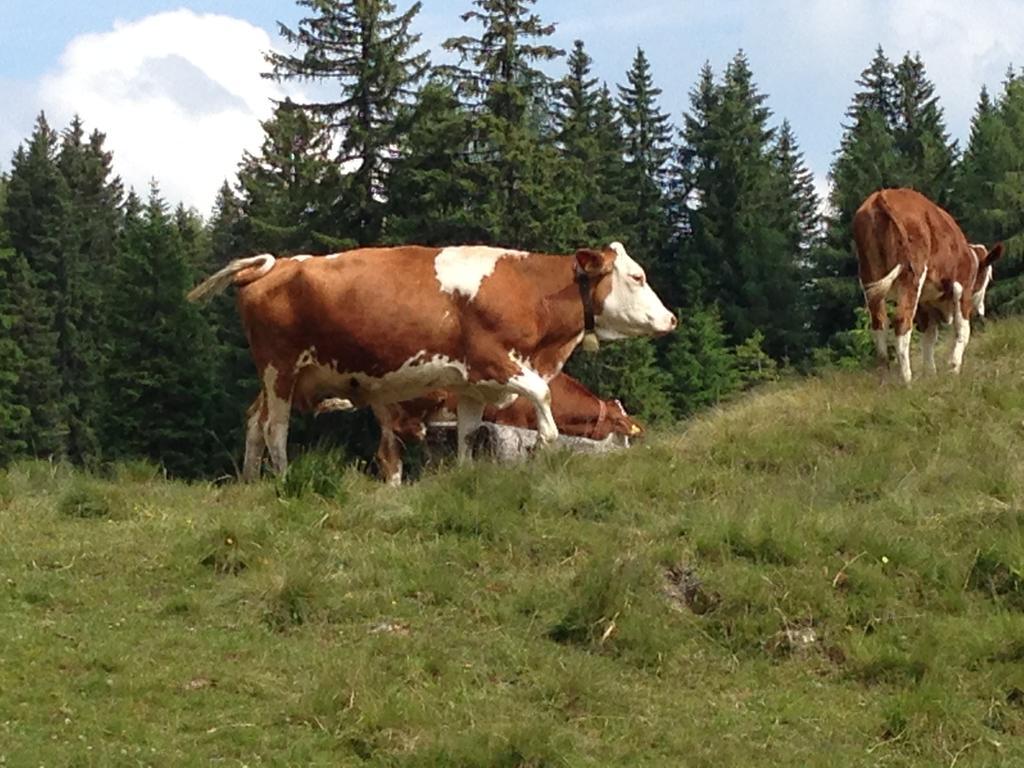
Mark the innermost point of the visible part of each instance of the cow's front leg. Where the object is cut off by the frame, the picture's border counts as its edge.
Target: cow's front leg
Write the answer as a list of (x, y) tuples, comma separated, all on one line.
[(531, 385), (879, 332), (255, 441), (962, 326), (469, 416)]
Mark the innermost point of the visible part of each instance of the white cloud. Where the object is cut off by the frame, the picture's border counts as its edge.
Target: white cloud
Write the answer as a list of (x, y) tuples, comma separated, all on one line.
[(963, 45), (179, 95)]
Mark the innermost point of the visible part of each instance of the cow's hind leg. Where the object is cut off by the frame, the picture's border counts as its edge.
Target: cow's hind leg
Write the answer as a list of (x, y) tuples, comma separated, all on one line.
[(962, 326), (255, 441), (903, 321), (469, 417), (277, 389), (389, 449), (879, 330)]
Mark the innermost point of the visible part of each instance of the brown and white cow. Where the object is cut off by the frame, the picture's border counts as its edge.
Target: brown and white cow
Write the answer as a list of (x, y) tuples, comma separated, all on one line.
[(378, 326), (577, 411), (912, 250)]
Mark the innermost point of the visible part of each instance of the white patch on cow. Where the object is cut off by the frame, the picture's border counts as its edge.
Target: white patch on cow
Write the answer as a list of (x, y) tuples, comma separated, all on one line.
[(418, 374), (301, 257), (903, 355), (332, 405), (920, 287), (534, 386), (882, 288), (631, 308), (332, 255), (306, 357), (275, 428), (462, 269)]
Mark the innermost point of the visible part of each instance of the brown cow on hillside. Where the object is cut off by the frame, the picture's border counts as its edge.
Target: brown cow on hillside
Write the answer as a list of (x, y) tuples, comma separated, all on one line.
[(378, 326), (912, 250)]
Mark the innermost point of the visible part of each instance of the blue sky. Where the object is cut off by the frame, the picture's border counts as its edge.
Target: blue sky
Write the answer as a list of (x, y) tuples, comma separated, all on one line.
[(175, 85)]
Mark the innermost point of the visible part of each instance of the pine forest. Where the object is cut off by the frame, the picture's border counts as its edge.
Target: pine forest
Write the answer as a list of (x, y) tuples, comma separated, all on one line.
[(511, 142)]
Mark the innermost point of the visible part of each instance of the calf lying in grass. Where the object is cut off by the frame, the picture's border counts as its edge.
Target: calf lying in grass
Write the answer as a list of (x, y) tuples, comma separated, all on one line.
[(578, 412)]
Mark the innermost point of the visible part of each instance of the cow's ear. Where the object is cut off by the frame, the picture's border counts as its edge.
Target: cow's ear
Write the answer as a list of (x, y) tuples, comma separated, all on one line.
[(594, 263), (994, 255)]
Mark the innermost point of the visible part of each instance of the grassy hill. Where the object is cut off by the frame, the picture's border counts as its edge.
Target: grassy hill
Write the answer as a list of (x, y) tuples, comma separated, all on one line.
[(823, 573)]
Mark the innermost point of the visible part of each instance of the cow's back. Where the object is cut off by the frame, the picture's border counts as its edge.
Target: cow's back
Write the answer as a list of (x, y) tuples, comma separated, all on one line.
[(902, 227), (372, 308)]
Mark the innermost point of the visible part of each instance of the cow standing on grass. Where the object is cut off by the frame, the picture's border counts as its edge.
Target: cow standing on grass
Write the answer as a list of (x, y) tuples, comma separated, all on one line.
[(381, 325), (910, 249)]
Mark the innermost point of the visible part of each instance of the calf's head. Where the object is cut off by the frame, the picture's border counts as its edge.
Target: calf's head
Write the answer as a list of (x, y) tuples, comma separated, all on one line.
[(623, 425), (986, 258), (624, 303)]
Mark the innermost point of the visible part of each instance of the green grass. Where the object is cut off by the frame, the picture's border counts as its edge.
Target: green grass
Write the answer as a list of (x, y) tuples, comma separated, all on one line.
[(823, 573)]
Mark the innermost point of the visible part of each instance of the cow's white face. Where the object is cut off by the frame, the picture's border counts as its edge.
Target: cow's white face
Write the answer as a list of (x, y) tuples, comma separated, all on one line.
[(631, 308)]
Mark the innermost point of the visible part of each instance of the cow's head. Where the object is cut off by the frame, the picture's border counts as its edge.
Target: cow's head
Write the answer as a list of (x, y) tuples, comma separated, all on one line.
[(986, 258), (624, 304), (623, 425)]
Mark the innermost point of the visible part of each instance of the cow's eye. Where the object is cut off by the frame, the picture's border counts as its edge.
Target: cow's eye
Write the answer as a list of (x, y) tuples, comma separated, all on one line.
[(638, 279)]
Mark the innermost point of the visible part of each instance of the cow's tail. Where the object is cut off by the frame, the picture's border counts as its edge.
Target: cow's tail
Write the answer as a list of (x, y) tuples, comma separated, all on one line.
[(880, 288), (899, 245), (239, 272)]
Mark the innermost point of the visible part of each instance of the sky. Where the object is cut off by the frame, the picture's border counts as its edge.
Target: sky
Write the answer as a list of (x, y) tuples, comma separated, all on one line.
[(176, 86)]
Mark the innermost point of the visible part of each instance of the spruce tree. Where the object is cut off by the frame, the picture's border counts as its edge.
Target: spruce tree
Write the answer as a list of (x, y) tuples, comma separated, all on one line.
[(159, 376), (433, 191), (606, 211), (753, 364), (87, 258), (592, 150), (922, 142), (14, 411), (35, 219), (702, 368), (525, 193), (798, 199), (743, 214), (496, 71), (693, 169), (647, 137), (988, 156), (365, 48), (988, 201), (290, 191)]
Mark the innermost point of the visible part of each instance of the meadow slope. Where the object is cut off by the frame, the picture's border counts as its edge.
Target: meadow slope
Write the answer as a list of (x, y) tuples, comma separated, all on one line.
[(823, 573)]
